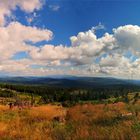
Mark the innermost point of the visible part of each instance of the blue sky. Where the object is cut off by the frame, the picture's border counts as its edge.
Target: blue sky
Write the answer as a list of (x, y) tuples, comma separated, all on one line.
[(72, 37), (73, 16)]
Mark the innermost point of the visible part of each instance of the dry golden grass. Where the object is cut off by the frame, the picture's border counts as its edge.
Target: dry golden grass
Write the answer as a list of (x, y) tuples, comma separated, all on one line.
[(48, 112), (3, 108), (103, 122), (83, 122), (35, 123)]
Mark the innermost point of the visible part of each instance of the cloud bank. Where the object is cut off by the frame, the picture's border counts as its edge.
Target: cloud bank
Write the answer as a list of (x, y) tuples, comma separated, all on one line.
[(113, 54)]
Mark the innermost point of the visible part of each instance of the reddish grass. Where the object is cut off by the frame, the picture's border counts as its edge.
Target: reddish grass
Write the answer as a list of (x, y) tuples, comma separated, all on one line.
[(83, 122)]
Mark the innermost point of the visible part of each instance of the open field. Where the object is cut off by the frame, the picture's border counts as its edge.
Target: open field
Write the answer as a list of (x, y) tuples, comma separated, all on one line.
[(118, 121), (68, 114)]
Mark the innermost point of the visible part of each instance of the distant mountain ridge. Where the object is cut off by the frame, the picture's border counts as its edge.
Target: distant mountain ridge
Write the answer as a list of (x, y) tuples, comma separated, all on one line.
[(70, 81)]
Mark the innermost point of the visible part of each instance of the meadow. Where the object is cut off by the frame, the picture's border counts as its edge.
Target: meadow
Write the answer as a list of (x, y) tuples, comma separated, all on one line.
[(112, 118), (118, 121)]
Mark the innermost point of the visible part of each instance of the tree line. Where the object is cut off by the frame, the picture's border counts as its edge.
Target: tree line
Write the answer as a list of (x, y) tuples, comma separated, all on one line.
[(56, 94)]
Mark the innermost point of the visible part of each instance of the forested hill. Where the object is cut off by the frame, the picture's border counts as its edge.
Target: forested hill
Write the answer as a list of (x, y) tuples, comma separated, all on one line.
[(70, 81)]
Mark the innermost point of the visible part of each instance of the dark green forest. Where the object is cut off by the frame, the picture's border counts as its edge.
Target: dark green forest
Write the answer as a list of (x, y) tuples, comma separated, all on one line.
[(72, 95)]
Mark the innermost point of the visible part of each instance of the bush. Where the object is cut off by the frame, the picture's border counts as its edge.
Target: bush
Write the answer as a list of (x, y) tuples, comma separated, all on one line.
[(68, 103)]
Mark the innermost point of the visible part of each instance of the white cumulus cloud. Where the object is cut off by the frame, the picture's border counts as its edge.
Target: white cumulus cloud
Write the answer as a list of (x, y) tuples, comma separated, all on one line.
[(7, 6), (88, 54)]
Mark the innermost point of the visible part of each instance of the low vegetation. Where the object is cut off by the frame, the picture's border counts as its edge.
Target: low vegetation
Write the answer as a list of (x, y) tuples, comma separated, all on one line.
[(116, 117), (80, 122)]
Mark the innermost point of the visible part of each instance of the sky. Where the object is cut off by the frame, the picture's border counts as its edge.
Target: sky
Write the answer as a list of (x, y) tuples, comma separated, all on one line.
[(70, 37)]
